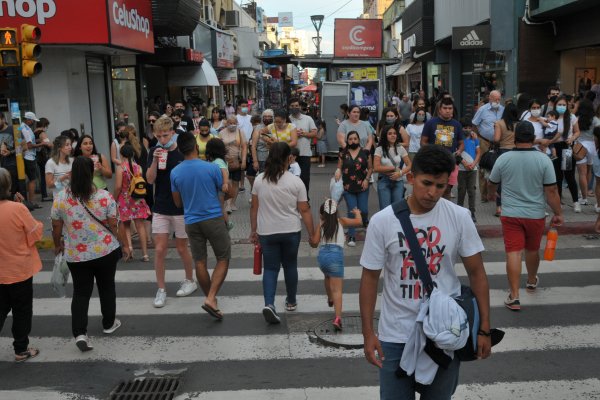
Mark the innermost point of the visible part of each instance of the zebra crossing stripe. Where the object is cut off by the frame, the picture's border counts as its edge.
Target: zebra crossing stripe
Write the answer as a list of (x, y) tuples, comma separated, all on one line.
[(306, 303), (350, 272), (295, 346)]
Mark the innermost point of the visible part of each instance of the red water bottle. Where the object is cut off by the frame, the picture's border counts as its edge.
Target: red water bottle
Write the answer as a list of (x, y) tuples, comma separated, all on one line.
[(551, 240), (257, 259)]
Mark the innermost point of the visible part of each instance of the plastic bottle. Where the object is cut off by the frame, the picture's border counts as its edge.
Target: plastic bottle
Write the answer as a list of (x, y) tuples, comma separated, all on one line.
[(551, 239), (257, 259)]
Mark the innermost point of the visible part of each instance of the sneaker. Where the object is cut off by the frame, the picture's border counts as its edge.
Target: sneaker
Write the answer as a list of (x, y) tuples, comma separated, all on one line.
[(512, 304), (597, 208), (250, 200), (242, 189), (577, 207), (161, 298), (116, 325), (351, 241), (83, 343), (321, 166), (337, 324), (229, 225), (187, 287), (473, 217), (583, 202), (270, 315), (552, 158), (530, 287), (232, 207)]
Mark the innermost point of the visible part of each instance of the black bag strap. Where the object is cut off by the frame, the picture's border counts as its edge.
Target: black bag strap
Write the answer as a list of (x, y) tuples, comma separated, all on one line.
[(402, 212), (91, 214)]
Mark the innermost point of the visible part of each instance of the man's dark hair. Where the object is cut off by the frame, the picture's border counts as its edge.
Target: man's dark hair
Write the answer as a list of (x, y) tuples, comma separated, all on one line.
[(179, 101), (466, 121), (179, 113), (446, 101), (204, 122), (433, 160), (242, 101), (524, 132), (186, 143), (293, 100), (551, 88)]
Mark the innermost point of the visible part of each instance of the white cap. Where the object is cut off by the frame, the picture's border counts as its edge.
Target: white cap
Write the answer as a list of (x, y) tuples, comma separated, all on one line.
[(30, 115)]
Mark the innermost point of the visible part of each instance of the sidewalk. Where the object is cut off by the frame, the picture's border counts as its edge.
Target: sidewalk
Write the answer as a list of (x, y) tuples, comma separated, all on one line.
[(487, 224)]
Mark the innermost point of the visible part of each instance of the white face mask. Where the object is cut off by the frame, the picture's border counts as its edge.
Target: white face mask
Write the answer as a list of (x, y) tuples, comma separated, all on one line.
[(536, 113)]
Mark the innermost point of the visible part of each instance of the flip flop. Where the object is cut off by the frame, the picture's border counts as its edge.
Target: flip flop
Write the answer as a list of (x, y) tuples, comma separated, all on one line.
[(214, 312), (26, 355)]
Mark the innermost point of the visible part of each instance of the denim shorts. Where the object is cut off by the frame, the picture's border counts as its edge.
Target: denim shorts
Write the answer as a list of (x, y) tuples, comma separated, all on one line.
[(331, 260)]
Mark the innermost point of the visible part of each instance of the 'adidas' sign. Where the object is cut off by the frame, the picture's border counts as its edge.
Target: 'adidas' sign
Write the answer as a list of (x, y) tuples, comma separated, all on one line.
[(471, 39)]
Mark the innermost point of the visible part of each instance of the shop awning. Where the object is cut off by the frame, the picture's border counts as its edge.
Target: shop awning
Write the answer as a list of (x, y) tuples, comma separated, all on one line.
[(398, 69), (203, 75)]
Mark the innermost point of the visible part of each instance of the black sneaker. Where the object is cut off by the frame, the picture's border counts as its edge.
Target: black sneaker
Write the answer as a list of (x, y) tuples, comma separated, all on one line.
[(242, 189), (270, 315)]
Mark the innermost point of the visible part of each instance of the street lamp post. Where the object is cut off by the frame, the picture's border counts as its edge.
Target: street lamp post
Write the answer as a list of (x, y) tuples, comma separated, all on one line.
[(317, 21)]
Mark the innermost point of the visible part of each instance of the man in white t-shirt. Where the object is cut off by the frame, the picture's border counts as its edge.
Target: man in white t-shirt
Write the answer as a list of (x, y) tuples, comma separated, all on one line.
[(307, 130), (445, 232), (245, 125), (29, 155)]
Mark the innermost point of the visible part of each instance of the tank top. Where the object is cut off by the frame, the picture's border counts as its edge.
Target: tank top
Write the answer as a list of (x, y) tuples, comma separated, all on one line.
[(338, 239)]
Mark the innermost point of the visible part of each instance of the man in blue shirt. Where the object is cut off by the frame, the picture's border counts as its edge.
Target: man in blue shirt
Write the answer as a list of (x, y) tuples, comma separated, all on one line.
[(483, 122), (195, 185)]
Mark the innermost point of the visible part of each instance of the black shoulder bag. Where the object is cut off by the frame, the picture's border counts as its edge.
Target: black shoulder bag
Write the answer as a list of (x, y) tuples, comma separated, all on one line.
[(466, 300)]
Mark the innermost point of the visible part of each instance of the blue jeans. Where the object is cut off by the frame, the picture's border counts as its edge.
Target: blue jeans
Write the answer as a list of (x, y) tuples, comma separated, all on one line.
[(392, 387), (389, 191), (354, 200), (280, 249)]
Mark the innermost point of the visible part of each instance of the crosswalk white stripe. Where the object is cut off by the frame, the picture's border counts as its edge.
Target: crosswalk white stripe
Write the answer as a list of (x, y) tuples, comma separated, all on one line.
[(350, 272), (534, 390), (172, 349), (39, 394), (306, 303)]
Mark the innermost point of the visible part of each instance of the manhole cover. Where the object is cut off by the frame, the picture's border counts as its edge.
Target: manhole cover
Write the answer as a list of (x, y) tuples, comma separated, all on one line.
[(349, 338), (162, 388)]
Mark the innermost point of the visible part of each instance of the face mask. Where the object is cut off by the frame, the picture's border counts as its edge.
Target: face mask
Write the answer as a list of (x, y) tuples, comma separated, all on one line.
[(267, 121), (536, 113), (420, 118), (232, 128), (354, 146), (561, 109), (244, 110), (294, 111), (168, 144), (495, 105), (123, 135), (390, 120), (205, 133)]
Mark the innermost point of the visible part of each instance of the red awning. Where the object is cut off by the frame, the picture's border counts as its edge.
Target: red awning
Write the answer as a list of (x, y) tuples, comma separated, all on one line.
[(309, 88)]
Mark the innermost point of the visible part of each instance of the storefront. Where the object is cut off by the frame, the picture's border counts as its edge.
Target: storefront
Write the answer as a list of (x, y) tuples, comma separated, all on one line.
[(76, 87)]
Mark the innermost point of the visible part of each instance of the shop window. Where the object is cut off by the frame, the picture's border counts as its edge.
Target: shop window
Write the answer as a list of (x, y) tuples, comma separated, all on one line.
[(125, 96)]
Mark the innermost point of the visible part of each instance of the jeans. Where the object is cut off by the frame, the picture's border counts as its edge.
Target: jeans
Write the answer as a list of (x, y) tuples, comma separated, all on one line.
[(83, 273), (280, 249), (467, 181), (18, 297), (304, 163), (389, 191), (354, 200), (391, 387)]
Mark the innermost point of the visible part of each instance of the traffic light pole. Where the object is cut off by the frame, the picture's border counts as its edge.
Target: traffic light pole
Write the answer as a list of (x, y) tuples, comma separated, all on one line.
[(21, 188)]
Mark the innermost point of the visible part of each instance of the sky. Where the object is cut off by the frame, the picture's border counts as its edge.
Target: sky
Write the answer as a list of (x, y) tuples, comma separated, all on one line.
[(303, 9)]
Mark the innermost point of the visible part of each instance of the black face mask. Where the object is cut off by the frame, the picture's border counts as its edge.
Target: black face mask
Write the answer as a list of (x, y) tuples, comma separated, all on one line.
[(354, 146), (267, 121), (205, 134)]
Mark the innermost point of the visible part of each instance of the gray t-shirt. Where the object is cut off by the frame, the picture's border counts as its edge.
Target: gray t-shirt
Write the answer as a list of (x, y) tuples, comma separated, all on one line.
[(278, 204), (523, 193), (361, 127), (7, 138), (306, 124)]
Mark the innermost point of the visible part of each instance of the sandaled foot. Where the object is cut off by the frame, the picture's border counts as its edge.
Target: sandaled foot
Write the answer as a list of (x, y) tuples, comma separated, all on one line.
[(337, 323), (145, 258), (291, 306), (214, 312), (26, 355)]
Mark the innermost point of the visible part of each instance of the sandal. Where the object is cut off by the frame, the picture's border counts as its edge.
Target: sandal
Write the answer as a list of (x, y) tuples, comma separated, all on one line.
[(330, 303), (337, 324), (130, 257), (291, 306), (145, 258), (26, 355)]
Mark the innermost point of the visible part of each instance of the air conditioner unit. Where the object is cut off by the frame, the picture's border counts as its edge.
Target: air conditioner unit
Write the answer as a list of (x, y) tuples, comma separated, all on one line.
[(209, 14), (232, 18)]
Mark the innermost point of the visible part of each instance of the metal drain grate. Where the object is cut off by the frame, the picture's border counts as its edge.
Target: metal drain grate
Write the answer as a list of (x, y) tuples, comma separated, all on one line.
[(349, 338), (162, 388)]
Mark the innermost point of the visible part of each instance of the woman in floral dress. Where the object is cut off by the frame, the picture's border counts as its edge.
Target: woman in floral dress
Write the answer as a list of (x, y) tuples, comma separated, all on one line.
[(131, 209)]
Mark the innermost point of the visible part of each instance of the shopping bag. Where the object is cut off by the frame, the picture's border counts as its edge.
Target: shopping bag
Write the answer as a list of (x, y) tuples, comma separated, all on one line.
[(60, 276), (336, 189)]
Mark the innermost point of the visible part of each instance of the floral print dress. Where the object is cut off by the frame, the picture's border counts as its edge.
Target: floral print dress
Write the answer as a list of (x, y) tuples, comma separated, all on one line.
[(354, 171), (130, 208)]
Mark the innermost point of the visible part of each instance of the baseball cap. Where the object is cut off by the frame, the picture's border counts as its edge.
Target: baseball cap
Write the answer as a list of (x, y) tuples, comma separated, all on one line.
[(30, 115)]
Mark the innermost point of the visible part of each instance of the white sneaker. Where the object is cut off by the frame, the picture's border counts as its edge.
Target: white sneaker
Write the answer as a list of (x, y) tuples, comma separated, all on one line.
[(187, 287), (351, 241), (583, 202), (116, 325), (161, 298), (83, 343), (577, 207), (597, 208)]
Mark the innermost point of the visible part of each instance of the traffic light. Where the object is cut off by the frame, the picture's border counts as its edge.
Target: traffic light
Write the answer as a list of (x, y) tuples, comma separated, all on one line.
[(9, 50), (30, 50)]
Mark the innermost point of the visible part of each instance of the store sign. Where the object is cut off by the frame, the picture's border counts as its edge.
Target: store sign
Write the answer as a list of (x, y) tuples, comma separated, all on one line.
[(423, 54), (358, 38), (121, 23), (357, 74), (194, 56), (131, 24), (285, 19), (227, 76), (471, 37), (222, 50)]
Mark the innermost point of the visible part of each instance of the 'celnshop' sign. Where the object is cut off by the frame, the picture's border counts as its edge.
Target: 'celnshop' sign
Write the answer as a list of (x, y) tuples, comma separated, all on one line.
[(471, 37), (119, 23)]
